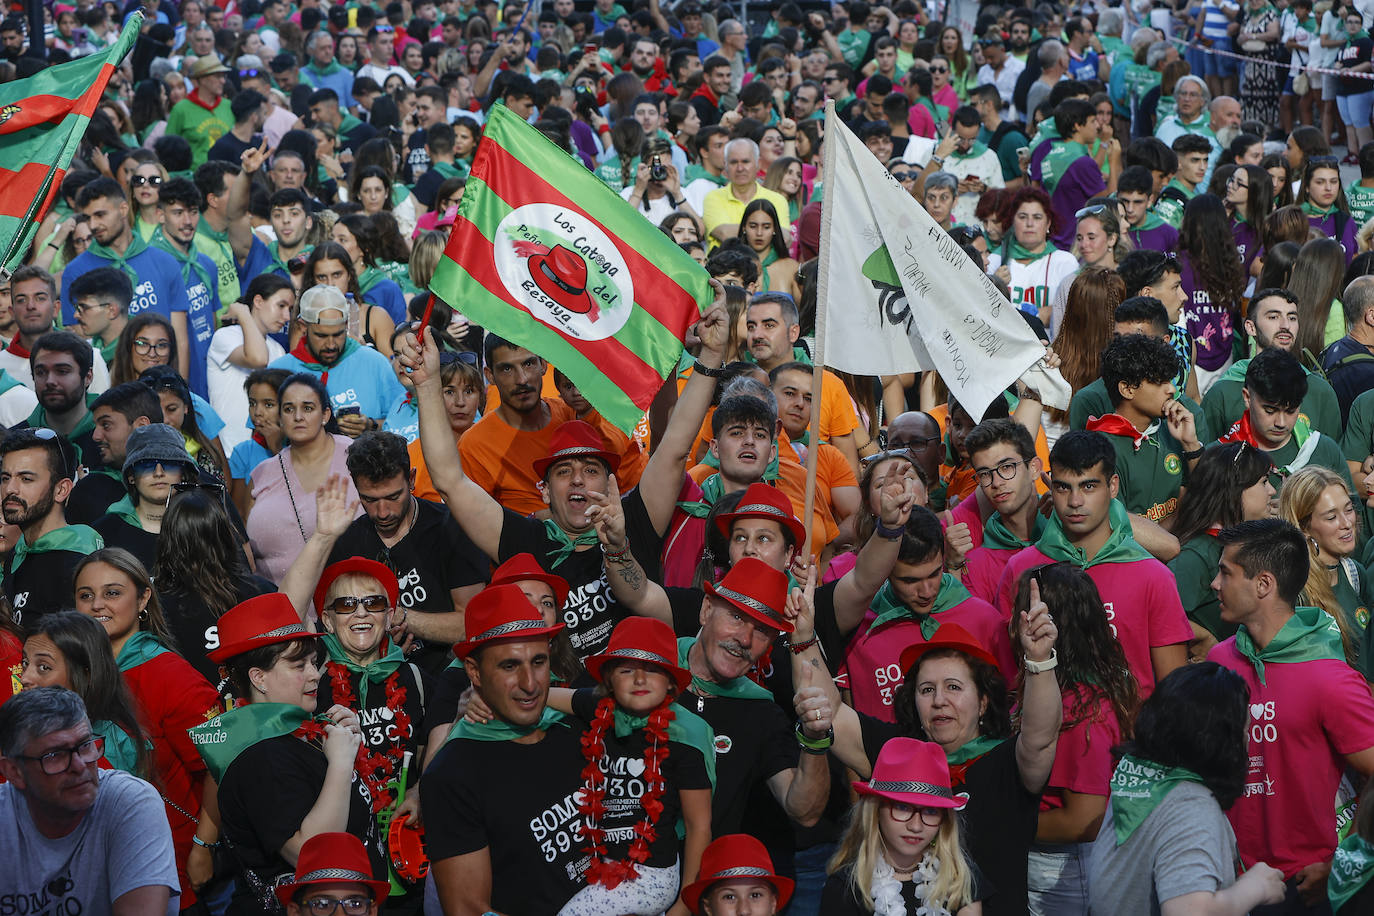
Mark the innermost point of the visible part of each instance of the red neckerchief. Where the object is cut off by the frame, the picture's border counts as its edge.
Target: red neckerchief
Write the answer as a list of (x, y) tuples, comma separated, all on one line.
[(302, 353), (1114, 424), (1241, 431), (705, 92), (1214, 529), (197, 100), (260, 439), (17, 348)]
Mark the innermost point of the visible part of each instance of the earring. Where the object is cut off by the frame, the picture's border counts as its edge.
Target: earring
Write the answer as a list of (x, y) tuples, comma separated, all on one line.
[(143, 616)]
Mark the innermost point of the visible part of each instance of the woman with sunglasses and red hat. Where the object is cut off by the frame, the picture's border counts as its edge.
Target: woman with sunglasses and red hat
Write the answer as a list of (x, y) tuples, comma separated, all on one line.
[(901, 850), (284, 773)]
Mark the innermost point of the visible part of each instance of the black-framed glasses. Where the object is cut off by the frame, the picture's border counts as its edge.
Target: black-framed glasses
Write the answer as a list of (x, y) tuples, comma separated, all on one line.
[(939, 69), (904, 176), (372, 604), (1006, 470), (325, 906), (143, 346), (58, 761), (189, 486), (138, 181), (915, 444), (902, 813)]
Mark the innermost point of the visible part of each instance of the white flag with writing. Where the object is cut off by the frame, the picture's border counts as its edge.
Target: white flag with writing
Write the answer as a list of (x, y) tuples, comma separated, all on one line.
[(900, 296)]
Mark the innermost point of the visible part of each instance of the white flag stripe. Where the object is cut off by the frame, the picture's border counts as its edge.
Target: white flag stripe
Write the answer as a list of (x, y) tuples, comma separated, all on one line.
[(941, 313)]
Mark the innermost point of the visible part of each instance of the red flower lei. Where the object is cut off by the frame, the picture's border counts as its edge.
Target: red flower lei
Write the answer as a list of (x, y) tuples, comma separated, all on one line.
[(377, 768), (602, 871)]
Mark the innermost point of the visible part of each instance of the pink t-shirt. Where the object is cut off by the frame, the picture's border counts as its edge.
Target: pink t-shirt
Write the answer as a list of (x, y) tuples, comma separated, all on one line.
[(1141, 599), (920, 122), (967, 512), (1303, 721), (1083, 759), (984, 570), (283, 514), (873, 660)]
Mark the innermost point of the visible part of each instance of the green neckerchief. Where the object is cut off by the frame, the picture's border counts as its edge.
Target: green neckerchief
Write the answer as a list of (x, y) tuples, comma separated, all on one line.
[(770, 473), (139, 648), (741, 688), (499, 730), (974, 151), (375, 673), (889, 609), (8, 381), (220, 740), (567, 543), (1310, 635), (39, 418), (1062, 155), (205, 229), (81, 539), (1137, 788), (370, 278), (1351, 870), (973, 749), (1120, 546), (448, 169), (1017, 252), (334, 67), (125, 509), (350, 345), (189, 261), (1313, 210), (1351, 39), (686, 728), (136, 247), (119, 747), (348, 124), (997, 536), (278, 263), (107, 350)]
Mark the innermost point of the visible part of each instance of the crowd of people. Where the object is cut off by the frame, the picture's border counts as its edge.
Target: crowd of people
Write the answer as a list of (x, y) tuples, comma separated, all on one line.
[(317, 594)]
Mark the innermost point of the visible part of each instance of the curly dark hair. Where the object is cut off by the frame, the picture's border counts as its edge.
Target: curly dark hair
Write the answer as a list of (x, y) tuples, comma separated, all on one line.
[(1205, 237), (378, 456), (987, 680)]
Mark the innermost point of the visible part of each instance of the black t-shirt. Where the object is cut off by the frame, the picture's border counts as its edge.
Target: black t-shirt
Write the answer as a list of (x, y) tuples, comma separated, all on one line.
[(196, 628), (377, 720), (117, 532), (427, 187), (1352, 55), (518, 802), (591, 611), (623, 765), (229, 148), (41, 585), (449, 685), (998, 825), (266, 794), (838, 897), (417, 158), (93, 496)]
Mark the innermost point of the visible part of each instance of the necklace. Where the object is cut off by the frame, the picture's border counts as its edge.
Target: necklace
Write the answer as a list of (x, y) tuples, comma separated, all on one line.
[(607, 872), (377, 768)]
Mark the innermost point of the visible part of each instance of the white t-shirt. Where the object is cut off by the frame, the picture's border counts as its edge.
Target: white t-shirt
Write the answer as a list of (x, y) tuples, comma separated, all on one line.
[(123, 843), (225, 381), (658, 211), (1031, 284), (16, 404)]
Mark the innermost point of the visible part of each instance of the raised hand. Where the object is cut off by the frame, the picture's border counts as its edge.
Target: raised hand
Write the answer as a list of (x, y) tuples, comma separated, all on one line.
[(419, 357), (813, 707), (1038, 632), (958, 540), (801, 606), (253, 158), (334, 512), (607, 516)]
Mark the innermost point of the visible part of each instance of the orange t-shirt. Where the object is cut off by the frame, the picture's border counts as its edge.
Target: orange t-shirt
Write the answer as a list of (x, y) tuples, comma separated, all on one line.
[(962, 481), (838, 417), (501, 459), (424, 484)]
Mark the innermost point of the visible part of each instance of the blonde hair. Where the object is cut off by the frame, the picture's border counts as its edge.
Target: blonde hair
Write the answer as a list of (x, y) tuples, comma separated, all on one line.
[(1297, 501), (862, 846)]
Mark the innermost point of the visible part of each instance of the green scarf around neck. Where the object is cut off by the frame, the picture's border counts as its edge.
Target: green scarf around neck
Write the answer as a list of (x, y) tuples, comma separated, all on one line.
[(370, 277), (741, 688), (996, 535), (119, 747), (1137, 788), (139, 648), (375, 673), (136, 247), (890, 609), (1317, 212), (1310, 635), (220, 740), (1151, 221), (1119, 548), (686, 728), (125, 509), (567, 544), (1056, 163), (498, 730), (81, 539), (334, 67), (1017, 252), (189, 261)]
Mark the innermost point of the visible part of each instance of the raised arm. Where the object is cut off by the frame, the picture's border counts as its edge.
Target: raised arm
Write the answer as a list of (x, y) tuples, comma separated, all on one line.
[(480, 516), (1042, 708), (333, 514), (854, 592), (631, 586), (240, 229), (804, 790)]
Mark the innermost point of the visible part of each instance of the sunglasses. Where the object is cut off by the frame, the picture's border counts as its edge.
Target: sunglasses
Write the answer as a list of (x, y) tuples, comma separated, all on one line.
[(1318, 161), (384, 29), (248, 74), (190, 486), (939, 69), (138, 181), (149, 465), (372, 604), (48, 435), (1090, 211), (449, 357), (904, 176)]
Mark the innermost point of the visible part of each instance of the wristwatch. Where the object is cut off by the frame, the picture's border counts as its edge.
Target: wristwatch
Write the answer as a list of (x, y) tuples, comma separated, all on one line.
[(1049, 664)]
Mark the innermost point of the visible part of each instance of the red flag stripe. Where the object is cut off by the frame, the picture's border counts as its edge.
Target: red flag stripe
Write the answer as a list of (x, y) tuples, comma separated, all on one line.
[(519, 185), (18, 189), (621, 366), (43, 109)]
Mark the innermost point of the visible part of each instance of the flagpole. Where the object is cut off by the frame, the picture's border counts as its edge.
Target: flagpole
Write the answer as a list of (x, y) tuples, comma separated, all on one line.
[(818, 356)]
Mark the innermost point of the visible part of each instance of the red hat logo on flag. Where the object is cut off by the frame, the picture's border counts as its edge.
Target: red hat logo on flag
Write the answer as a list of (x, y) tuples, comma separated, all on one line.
[(561, 275)]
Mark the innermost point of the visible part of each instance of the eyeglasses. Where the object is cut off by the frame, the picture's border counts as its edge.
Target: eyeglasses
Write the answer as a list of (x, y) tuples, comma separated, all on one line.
[(939, 69), (372, 604), (904, 176), (143, 346), (1316, 161), (82, 308), (1006, 470), (60, 760), (138, 181), (48, 435), (325, 906), (901, 813), (917, 444)]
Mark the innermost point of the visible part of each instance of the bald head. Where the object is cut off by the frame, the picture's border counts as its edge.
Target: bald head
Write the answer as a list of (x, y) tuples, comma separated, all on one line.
[(1225, 112), (1358, 300), (914, 430)]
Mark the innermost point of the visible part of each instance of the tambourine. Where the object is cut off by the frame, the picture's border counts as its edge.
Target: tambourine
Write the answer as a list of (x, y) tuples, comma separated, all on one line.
[(407, 849)]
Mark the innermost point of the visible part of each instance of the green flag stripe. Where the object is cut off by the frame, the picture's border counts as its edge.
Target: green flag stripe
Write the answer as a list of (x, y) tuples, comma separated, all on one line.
[(496, 314), (70, 81), (643, 333), (530, 164)]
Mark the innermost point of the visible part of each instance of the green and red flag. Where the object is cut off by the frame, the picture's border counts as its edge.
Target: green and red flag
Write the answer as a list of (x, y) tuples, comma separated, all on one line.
[(42, 121), (547, 256)]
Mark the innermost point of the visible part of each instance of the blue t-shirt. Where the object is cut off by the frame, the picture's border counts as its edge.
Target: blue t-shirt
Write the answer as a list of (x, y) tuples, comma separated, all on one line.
[(206, 418), (201, 323), (159, 287), (1085, 69), (387, 294), (247, 455), (363, 378), (259, 260), (403, 419)]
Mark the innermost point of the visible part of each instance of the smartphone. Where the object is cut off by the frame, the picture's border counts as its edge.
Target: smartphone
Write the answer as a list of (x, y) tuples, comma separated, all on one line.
[(351, 410), (590, 48)]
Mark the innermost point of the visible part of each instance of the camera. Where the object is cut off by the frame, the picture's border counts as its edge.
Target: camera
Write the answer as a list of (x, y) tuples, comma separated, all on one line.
[(658, 171), (585, 100)]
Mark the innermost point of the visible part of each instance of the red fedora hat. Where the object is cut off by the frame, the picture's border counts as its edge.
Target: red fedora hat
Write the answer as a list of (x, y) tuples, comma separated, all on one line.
[(763, 501), (561, 274), (329, 858), (359, 566), (642, 639), (257, 622), (501, 612), (757, 589), (914, 773), (575, 439), (735, 857), (525, 566), (947, 636)]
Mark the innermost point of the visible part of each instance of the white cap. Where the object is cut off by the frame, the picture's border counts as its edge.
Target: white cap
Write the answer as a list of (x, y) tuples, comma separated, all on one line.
[(320, 299)]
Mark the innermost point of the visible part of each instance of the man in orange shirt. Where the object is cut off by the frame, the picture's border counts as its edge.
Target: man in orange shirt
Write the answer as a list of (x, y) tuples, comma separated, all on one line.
[(835, 480)]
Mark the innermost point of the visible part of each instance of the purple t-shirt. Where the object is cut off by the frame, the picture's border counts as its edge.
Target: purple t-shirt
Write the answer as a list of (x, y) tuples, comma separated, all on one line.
[(1034, 169), (1081, 182), (1327, 225), (1161, 238), (1210, 326), (1248, 243)]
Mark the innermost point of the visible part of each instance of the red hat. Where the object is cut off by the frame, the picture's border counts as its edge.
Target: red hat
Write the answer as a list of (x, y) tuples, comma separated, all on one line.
[(525, 566), (257, 622), (575, 439), (764, 501), (913, 772), (735, 856), (757, 589), (642, 639), (361, 566), (501, 612), (561, 274), (947, 636), (328, 858)]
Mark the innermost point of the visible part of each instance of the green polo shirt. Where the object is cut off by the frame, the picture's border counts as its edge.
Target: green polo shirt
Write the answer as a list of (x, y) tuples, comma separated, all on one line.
[(1150, 476), (1194, 569), (1092, 401), (1358, 439), (1223, 404)]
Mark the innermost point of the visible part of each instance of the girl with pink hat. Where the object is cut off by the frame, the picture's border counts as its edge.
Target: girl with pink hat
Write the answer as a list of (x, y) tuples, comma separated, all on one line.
[(900, 852)]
